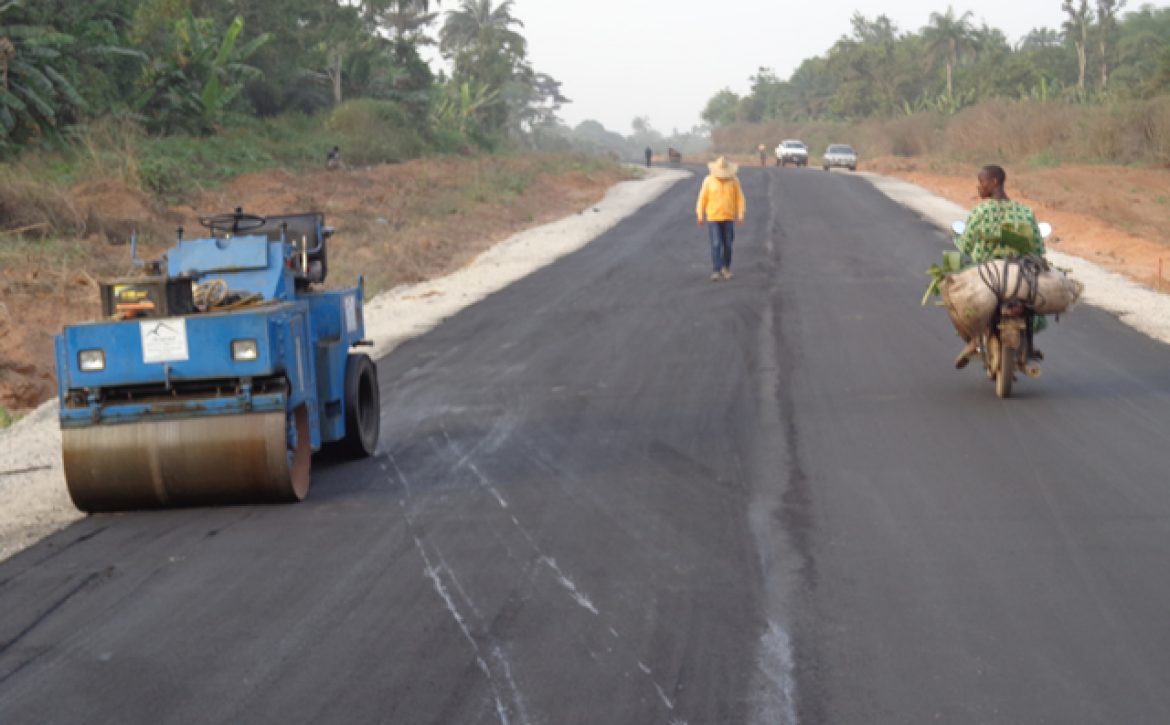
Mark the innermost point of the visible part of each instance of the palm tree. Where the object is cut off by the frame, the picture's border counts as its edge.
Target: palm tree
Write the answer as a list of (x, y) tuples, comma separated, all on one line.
[(476, 25), (1041, 37), (406, 20), (489, 55), (948, 37)]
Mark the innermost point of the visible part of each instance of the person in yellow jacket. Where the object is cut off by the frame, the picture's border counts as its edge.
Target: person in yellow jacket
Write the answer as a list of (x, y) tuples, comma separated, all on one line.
[(720, 204)]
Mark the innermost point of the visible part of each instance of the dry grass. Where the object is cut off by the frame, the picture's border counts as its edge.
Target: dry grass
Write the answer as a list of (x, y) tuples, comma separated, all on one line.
[(412, 221), (34, 209)]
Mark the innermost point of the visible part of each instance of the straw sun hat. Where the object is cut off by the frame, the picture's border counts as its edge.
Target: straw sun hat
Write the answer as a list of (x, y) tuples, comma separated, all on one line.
[(721, 168)]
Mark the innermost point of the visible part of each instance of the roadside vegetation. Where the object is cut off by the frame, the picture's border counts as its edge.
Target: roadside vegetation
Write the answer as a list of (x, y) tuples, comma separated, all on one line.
[(1095, 90), (136, 116), (173, 95)]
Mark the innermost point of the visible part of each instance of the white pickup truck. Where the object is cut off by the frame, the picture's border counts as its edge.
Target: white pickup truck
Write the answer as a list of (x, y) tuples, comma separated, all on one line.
[(791, 151)]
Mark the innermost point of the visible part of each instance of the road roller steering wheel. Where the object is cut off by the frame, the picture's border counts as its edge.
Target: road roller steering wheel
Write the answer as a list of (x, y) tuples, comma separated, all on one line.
[(233, 223)]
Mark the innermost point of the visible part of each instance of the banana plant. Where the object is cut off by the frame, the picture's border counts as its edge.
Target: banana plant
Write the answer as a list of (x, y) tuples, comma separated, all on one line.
[(35, 94), (193, 88), (460, 105)]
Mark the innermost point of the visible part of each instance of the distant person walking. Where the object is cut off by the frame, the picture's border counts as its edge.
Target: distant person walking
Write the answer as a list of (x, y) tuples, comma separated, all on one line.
[(649, 154), (720, 204), (333, 158), (763, 155)]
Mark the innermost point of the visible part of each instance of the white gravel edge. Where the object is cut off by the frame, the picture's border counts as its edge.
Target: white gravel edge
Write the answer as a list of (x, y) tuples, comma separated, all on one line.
[(1139, 307), (33, 499)]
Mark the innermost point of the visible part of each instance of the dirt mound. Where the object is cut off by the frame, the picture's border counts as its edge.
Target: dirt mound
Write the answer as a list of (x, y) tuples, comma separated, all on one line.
[(114, 211)]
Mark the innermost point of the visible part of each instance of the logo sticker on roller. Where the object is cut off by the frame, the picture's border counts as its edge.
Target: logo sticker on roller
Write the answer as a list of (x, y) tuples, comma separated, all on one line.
[(164, 340)]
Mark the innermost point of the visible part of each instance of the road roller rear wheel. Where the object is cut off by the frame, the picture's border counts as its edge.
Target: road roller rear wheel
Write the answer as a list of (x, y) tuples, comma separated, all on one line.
[(362, 408)]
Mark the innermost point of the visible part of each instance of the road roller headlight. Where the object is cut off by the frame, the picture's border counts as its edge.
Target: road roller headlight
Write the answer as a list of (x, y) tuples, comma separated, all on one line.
[(244, 350), (91, 361)]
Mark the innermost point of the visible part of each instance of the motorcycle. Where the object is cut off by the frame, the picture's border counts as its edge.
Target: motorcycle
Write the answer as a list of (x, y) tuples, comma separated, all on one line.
[(1005, 345)]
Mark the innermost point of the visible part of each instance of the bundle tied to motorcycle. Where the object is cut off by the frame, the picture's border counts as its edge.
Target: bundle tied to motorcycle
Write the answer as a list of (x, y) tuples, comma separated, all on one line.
[(973, 295)]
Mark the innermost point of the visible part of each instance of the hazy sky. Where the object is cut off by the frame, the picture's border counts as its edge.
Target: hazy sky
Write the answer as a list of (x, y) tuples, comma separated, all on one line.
[(664, 59)]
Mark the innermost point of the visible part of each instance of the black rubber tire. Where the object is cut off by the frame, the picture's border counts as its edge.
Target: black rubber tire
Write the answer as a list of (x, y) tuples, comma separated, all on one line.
[(362, 408), (1006, 373)]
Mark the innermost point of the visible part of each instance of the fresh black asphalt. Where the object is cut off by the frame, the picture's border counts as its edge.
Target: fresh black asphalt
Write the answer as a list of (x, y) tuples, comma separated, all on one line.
[(617, 492)]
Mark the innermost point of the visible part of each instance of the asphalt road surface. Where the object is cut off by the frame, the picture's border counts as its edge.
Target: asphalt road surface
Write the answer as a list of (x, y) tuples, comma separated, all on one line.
[(617, 492)]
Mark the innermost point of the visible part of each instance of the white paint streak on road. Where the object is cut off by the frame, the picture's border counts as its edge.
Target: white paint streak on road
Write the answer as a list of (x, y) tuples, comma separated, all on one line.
[(506, 666), (445, 567), (437, 582), (435, 575), (662, 696), (777, 665), (500, 433), (405, 483), (568, 584), (657, 687), (483, 481)]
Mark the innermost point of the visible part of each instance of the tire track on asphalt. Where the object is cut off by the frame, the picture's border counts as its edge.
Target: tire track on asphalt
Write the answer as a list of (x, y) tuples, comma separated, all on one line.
[(466, 459)]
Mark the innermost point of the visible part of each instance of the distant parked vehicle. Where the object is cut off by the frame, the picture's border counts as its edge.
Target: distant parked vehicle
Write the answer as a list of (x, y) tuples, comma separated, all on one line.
[(839, 155), (791, 151)]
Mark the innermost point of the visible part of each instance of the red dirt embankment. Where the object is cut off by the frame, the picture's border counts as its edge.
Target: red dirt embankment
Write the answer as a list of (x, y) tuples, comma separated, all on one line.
[(1115, 216), (397, 223)]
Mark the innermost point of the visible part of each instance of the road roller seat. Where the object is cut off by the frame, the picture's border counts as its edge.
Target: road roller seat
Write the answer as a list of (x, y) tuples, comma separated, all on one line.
[(308, 235)]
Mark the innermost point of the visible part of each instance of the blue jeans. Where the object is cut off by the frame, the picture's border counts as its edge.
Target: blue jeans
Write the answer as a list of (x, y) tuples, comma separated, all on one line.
[(722, 235)]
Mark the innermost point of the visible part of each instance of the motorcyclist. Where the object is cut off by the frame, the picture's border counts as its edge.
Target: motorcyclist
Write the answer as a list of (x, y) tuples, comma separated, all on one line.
[(998, 227)]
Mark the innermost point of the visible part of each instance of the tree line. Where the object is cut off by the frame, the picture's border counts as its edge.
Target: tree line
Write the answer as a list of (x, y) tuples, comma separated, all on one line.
[(191, 66), (878, 70)]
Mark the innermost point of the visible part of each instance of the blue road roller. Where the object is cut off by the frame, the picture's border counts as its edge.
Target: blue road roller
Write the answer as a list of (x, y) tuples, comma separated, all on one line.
[(216, 373)]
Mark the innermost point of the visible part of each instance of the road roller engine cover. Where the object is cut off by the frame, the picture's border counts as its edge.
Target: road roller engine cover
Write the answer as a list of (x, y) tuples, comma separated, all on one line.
[(214, 376)]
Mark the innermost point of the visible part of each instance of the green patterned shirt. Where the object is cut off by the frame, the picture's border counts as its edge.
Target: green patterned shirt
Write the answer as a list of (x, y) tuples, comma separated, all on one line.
[(998, 229)]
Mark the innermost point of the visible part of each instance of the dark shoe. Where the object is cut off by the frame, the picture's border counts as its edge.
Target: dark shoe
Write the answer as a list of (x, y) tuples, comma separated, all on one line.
[(965, 356)]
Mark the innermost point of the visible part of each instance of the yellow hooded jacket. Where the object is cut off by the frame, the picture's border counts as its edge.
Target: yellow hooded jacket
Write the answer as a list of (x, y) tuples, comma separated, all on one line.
[(720, 200)]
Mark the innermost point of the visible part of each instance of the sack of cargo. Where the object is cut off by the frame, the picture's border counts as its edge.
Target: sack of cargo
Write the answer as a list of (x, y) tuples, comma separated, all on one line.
[(973, 295)]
